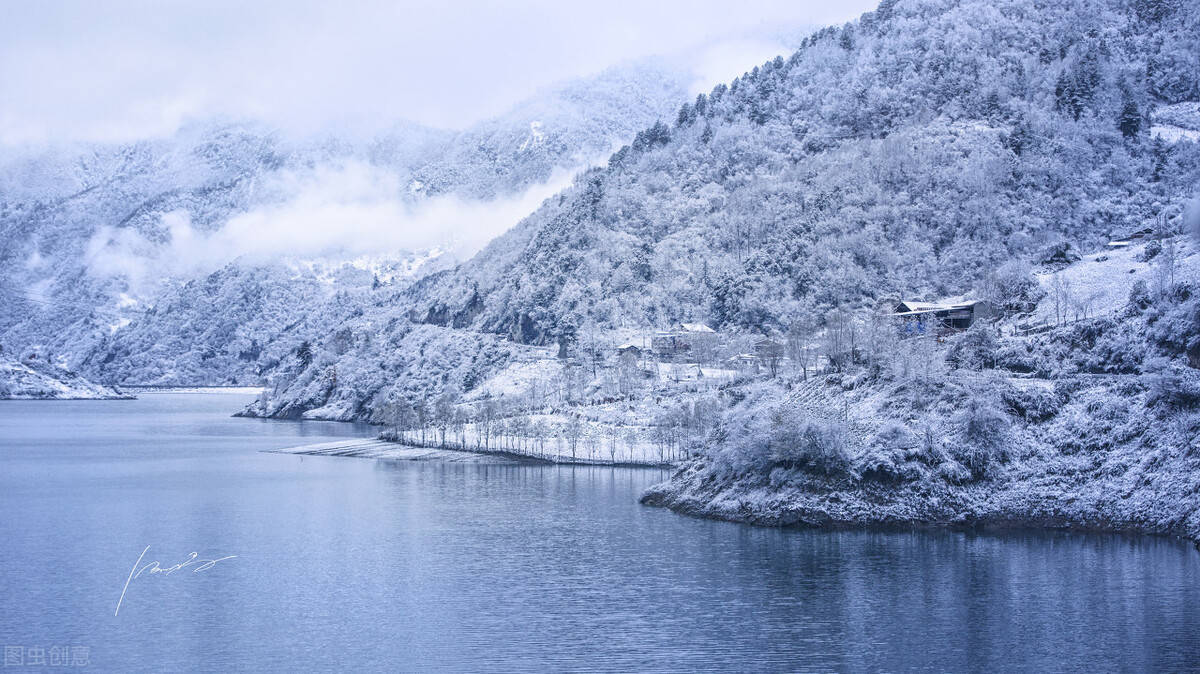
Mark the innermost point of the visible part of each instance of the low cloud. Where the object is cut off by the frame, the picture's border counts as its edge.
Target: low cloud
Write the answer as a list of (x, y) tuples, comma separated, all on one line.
[(725, 60), (333, 212), (128, 69)]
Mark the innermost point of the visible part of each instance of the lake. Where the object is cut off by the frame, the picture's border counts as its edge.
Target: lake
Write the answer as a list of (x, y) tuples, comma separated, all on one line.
[(345, 564)]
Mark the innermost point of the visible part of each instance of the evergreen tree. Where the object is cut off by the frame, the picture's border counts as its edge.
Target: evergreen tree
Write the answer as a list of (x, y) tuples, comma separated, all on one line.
[(304, 353), (1130, 121)]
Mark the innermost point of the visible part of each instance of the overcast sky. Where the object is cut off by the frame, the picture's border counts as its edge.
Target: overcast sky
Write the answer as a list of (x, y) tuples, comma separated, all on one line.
[(115, 71)]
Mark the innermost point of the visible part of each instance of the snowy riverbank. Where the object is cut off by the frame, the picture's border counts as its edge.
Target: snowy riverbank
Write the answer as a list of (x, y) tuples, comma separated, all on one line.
[(40, 381), (1031, 500), (1098, 452), (412, 450), (384, 449)]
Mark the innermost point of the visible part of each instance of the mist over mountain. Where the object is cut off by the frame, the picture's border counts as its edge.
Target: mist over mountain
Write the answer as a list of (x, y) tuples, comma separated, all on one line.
[(95, 235), (1038, 162), (904, 154)]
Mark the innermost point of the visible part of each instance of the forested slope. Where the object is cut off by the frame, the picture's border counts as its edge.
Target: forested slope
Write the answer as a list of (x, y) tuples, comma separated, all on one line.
[(908, 153), (105, 246)]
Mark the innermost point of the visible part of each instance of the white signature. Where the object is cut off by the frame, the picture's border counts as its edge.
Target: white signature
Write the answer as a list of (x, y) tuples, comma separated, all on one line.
[(154, 567)]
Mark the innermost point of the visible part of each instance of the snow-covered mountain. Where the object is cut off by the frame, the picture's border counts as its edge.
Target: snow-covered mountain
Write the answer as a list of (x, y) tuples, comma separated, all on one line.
[(908, 153), (931, 149), (101, 242), (34, 379)]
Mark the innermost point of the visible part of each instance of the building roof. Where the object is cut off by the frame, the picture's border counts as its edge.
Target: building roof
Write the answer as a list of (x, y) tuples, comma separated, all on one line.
[(696, 327), (918, 308), (629, 346)]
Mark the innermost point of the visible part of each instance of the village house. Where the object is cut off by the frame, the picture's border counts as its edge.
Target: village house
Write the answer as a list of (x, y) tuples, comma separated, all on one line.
[(694, 340), (769, 353), (1126, 241), (629, 350), (744, 363), (629, 355), (917, 318)]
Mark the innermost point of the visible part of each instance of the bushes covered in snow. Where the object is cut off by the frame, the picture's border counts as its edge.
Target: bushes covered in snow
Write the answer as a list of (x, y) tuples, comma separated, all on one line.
[(982, 435), (896, 454), (1172, 387), (762, 432), (808, 444)]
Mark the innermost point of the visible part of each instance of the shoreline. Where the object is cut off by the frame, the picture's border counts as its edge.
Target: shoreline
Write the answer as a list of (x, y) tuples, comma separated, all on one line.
[(986, 526), (979, 507), (64, 398), (150, 390), (378, 448)]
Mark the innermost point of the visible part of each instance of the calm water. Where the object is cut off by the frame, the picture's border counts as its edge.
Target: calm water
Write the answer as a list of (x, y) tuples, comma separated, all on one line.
[(347, 563)]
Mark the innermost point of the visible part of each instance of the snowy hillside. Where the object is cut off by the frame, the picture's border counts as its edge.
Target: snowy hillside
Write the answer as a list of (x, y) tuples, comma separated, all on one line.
[(907, 154), (101, 238), (1089, 424), (34, 380), (937, 152)]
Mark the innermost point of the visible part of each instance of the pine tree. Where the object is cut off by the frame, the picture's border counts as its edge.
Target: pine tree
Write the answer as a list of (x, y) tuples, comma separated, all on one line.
[(1130, 121), (685, 115), (304, 353)]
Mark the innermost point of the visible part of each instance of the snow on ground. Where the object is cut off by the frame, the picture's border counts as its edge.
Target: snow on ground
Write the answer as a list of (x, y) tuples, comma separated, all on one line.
[(1178, 122), (533, 369), (382, 449), (693, 375), (40, 381), (1100, 282), (1174, 134), (1186, 115), (536, 136)]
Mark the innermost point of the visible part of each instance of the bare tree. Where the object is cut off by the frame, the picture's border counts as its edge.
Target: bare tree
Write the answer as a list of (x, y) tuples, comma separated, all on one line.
[(592, 442), (631, 441), (400, 415), (1062, 297), (839, 338), (612, 433), (487, 418), (799, 342), (573, 431), (879, 337), (1164, 269), (443, 416), (539, 431), (421, 416)]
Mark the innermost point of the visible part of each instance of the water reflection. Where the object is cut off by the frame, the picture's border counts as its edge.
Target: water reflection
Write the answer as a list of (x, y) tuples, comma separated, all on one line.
[(349, 563)]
